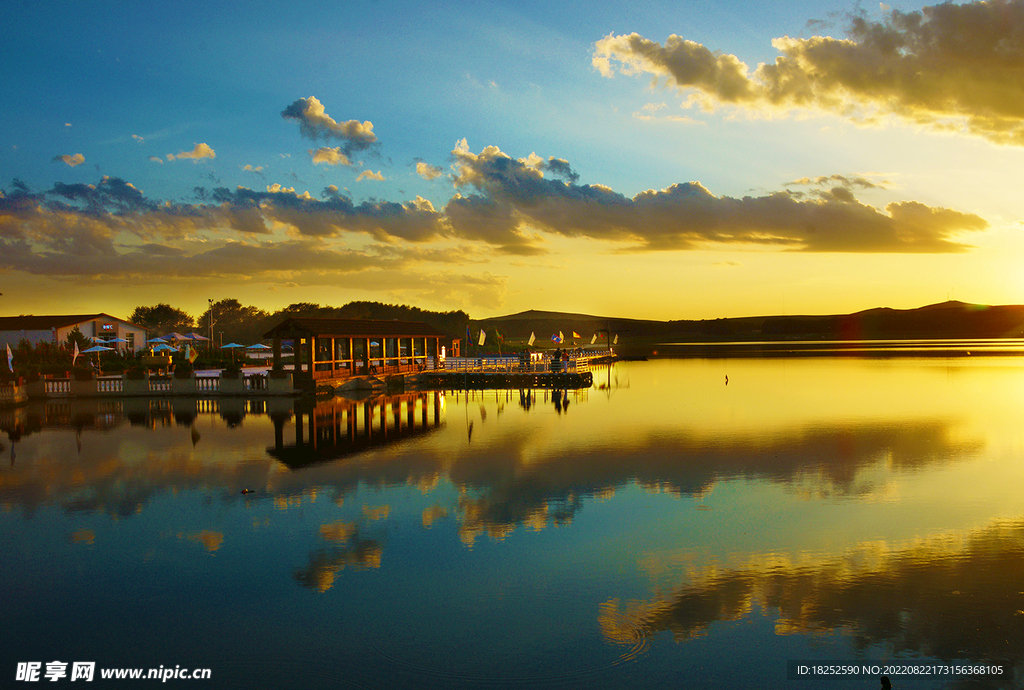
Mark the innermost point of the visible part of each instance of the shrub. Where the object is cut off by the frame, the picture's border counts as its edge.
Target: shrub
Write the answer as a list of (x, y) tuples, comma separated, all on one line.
[(82, 374), (135, 373)]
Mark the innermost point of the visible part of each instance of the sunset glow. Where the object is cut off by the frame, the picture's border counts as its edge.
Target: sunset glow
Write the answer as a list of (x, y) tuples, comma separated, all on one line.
[(679, 162)]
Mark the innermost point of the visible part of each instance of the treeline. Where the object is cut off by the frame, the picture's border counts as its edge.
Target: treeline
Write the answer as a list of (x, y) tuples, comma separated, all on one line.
[(232, 321), (948, 320)]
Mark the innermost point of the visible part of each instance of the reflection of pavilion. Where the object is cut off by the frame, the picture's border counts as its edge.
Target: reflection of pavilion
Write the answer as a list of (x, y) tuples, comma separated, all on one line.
[(340, 427)]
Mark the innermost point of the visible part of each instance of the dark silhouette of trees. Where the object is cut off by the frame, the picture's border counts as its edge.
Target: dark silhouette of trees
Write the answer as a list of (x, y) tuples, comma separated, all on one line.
[(162, 319), (239, 324), (235, 322)]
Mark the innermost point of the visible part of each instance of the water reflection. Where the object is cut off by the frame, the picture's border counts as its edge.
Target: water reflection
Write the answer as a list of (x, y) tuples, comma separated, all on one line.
[(950, 596), (504, 534), (332, 429)]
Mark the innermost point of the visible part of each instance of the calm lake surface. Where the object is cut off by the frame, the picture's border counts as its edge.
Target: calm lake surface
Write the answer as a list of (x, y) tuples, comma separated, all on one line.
[(661, 529)]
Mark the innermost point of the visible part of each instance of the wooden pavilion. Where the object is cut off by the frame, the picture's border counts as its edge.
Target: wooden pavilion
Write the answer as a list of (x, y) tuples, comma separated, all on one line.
[(328, 349)]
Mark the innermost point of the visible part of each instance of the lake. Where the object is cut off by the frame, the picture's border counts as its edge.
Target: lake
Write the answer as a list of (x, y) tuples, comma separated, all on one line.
[(691, 522)]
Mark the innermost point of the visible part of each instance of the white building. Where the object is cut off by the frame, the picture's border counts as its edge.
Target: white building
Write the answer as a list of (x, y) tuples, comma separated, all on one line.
[(55, 329)]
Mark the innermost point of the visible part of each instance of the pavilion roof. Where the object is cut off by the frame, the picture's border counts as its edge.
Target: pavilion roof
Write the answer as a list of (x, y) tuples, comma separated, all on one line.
[(308, 326)]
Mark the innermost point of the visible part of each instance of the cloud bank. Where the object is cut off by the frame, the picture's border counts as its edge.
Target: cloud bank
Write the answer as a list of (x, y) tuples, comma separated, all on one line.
[(506, 197), (111, 230), (948, 67)]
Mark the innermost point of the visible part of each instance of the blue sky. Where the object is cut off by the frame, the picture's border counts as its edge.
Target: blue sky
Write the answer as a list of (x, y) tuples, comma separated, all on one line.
[(496, 157)]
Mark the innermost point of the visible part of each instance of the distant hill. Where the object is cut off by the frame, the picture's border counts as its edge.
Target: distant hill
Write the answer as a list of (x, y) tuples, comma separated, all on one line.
[(950, 319)]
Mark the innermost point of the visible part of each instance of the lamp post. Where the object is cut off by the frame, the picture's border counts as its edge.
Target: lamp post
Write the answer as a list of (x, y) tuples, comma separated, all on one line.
[(211, 325)]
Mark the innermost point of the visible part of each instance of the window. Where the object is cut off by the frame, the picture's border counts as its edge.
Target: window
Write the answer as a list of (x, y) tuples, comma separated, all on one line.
[(391, 351), (342, 348), (323, 349)]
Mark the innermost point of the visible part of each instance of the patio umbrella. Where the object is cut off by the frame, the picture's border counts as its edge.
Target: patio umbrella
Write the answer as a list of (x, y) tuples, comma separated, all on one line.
[(196, 336), (258, 346), (231, 346), (156, 340), (96, 349), (163, 346)]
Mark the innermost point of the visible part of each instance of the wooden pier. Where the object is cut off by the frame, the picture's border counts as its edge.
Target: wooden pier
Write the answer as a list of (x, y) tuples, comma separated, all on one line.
[(487, 380)]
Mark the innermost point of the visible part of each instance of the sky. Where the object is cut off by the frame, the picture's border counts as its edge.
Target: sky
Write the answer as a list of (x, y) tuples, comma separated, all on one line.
[(675, 160)]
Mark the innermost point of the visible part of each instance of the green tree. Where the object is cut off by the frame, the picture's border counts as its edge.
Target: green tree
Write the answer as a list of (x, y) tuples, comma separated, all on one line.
[(76, 336), (162, 319)]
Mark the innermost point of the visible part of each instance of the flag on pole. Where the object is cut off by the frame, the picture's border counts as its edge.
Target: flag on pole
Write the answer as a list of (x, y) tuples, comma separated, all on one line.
[(533, 337), (576, 335), (499, 336), (616, 341), (10, 358), (556, 338), (561, 338), (483, 336), (75, 355), (593, 339), (192, 355)]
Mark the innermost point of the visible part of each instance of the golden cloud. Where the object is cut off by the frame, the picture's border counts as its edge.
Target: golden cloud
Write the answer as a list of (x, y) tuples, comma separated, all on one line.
[(199, 152), (329, 156), (71, 161), (948, 67), (315, 123)]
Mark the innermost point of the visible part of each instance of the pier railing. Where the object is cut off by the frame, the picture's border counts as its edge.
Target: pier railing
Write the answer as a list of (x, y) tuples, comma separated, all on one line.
[(206, 384), (511, 364)]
